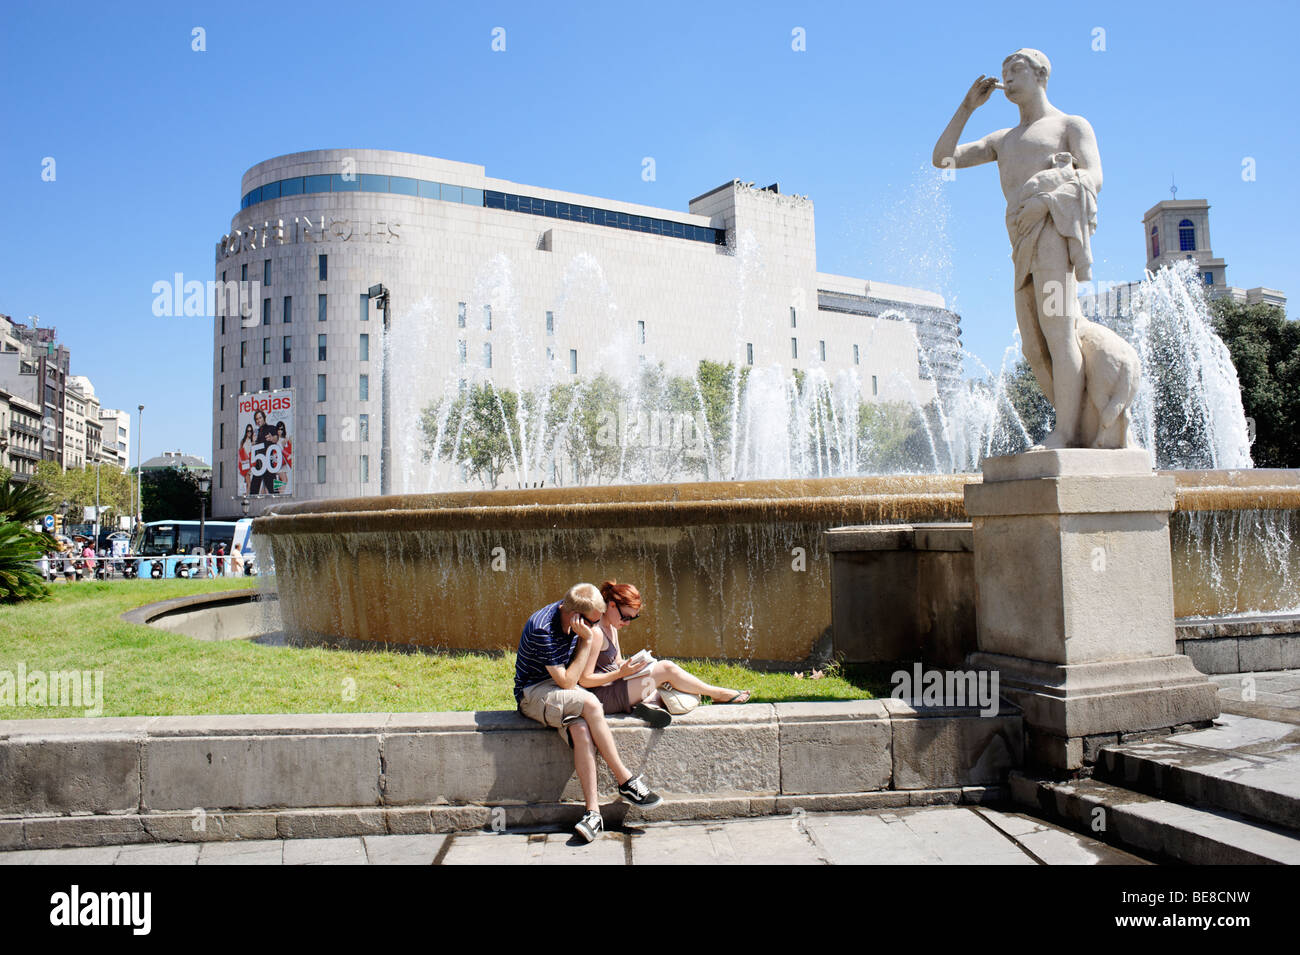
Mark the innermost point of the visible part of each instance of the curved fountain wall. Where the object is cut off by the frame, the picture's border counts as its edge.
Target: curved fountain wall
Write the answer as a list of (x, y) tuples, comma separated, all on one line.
[(733, 570)]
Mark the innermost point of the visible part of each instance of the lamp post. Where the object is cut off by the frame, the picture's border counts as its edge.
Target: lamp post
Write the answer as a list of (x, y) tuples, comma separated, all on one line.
[(139, 464), (379, 295), (205, 485)]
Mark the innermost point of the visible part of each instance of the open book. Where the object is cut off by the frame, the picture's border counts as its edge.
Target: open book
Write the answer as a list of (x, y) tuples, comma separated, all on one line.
[(642, 659)]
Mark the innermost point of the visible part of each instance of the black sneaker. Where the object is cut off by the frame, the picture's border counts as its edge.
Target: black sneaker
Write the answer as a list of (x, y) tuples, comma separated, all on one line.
[(590, 825), (652, 714), (638, 793)]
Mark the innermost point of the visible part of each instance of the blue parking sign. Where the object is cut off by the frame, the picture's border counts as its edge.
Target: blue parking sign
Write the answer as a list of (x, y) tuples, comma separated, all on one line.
[(49, 522)]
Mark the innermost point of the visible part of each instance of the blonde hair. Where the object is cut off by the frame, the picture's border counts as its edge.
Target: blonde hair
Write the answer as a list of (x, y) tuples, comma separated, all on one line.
[(585, 599)]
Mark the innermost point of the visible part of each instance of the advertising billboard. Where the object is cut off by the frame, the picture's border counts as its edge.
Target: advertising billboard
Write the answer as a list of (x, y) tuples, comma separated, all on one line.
[(265, 462)]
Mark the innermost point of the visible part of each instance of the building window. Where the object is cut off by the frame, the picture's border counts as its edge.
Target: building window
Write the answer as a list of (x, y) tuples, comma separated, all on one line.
[(462, 387), (266, 272), (364, 351), (223, 357), (221, 404), (487, 318), (640, 333), (221, 435), (1209, 278), (266, 351), (1186, 236), (320, 387), (284, 382), (363, 427), (1155, 242), (550, 353), (365, 469), (243, 386), (460, 347), (875, 388), (364, 388), (221, 474), (460, 314), (855, 354), (320, 347), (320, 469), (288, 348), (365, 307), (320, 428), (320, 308), (243, 353), (266, 384), (749, 353), (794, 323), (794, 348), (288, 308), (322, 263), (487, 354), (223, 323), (243, 272), (550, 323), (821, 348), (573, 361)]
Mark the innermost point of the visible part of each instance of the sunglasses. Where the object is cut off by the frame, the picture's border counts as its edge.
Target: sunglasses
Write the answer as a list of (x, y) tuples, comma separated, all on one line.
[(624, 617)]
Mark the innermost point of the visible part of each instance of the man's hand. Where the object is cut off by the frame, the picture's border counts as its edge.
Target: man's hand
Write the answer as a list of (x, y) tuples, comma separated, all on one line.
[(582, 629), (1029, 215), (979, 92)]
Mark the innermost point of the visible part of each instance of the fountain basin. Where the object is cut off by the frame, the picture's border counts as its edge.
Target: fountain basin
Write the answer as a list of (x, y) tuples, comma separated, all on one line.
[(729, 570)]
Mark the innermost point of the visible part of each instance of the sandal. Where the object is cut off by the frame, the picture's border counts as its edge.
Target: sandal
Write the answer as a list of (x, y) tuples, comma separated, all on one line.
[(742, 696)]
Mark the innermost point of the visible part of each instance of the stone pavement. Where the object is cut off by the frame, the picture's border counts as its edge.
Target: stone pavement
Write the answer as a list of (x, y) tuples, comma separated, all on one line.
[(1269, 694), (940, 835)]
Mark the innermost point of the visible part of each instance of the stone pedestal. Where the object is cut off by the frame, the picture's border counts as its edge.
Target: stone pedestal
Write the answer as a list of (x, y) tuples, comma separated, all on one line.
[(1074, 599)]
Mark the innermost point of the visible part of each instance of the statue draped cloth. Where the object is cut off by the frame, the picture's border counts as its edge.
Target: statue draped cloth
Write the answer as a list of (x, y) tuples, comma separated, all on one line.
[(1071, 211)]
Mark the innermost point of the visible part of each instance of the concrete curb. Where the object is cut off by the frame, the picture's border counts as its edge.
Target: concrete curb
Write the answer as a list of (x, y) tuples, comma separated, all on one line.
[(79, 782)]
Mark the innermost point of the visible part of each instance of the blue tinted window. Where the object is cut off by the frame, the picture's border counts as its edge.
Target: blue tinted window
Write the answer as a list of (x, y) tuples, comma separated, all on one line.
[(316, 184), (255, 197), (471, 197), (371, 183), (339, 184), (271, 191), (430, 190), (450, 193), (291, 187), (512, 203), (401, 185), (494, 200)]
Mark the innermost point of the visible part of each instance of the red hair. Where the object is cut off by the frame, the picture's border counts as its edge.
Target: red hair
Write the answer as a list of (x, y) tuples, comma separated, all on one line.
[(623, 594)]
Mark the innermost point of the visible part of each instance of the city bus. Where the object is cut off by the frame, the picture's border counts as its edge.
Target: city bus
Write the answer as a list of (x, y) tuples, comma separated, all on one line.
[(168, 548)]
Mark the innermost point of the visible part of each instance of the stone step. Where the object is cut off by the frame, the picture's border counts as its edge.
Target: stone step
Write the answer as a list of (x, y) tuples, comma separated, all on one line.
[(1146, 824), (1246, 766)]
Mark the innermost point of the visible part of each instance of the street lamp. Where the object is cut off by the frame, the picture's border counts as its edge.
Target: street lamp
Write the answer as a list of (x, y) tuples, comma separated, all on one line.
[(379, 295), (139, 465), (244, 505), (205, 485)]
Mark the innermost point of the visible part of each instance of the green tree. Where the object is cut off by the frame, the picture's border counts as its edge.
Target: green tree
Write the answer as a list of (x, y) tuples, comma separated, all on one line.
[(20, 545), (1265, 349), (1032, 406), (171, 494), (481, 432)]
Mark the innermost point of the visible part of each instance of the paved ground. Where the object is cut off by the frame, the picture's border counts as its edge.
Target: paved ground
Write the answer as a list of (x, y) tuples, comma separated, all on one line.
[(942, 835), (1273, 694)]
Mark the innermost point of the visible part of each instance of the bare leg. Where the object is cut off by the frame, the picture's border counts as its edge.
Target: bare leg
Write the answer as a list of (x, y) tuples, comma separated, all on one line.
[(666, 671), (594, 714), (1055, 292), (584, 761), (1032, 341)]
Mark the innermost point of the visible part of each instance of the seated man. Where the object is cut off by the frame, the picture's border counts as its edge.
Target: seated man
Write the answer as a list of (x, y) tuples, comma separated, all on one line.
[(550, 660)]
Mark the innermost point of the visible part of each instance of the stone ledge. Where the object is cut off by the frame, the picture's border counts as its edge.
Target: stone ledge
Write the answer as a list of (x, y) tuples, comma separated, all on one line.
[(258, 776)]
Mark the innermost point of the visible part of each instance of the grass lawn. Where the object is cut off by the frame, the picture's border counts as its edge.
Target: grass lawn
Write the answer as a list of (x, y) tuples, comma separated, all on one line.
[(155, 673)]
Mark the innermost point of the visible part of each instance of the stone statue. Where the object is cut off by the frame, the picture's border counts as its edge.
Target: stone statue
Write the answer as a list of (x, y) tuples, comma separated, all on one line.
[(1051, 173)]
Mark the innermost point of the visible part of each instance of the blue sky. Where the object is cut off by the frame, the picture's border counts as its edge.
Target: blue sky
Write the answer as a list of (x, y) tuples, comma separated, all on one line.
[(150, 138)]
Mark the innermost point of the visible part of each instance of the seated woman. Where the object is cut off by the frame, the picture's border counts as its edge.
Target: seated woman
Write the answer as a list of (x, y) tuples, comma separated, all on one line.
[(606, 672)]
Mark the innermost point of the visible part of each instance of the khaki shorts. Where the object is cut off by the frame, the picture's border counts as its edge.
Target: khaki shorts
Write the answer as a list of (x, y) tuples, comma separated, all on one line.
[(551, 706)]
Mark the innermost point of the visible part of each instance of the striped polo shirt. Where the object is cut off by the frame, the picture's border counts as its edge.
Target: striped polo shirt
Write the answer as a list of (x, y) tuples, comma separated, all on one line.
[(542, 644)]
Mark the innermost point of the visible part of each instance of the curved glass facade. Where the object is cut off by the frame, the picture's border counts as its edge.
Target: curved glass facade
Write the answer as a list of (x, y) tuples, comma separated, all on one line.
[(489, 199)]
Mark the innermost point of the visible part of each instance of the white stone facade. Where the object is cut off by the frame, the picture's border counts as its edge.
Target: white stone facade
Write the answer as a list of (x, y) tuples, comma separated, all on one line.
[(613, 294)]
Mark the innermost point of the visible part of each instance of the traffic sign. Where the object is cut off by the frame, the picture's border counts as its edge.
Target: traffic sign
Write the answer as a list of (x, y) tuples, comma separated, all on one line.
[(49, 522)]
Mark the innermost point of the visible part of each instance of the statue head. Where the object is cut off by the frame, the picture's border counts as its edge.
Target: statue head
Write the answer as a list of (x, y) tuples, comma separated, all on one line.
[(1019, 67)]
